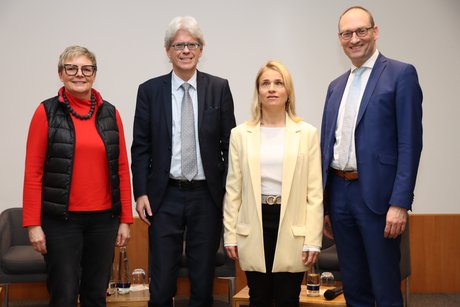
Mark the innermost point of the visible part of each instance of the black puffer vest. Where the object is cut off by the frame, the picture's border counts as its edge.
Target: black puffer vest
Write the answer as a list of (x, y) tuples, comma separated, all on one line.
[(60, 155)]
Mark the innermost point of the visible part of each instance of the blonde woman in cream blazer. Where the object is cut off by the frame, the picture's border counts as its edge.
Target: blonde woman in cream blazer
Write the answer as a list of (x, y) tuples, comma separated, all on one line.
[(275, 238)]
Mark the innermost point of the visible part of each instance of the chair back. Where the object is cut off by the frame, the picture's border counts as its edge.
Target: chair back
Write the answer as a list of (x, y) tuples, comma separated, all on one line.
[(224, 266), (328, 260), (19, 262), (12, 218)]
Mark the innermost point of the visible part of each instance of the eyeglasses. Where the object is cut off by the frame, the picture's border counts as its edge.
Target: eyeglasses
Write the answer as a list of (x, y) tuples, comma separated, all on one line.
[(361, 32), (181, 46), (86, 70), (278, 84)]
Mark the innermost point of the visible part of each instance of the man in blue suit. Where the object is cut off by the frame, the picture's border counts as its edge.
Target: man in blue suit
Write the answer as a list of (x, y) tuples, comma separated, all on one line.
[(371, 141), (179, 165)]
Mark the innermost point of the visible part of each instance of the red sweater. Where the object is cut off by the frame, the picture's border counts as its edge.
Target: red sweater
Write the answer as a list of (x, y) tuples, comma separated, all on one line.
[(90, 188)]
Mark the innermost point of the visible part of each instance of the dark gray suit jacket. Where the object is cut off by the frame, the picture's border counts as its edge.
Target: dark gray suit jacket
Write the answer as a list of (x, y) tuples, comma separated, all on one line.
[(152, 136)]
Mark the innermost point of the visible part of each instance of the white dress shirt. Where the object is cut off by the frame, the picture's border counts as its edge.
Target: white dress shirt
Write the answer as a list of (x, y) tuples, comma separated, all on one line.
[(177, 94), (352, 165)]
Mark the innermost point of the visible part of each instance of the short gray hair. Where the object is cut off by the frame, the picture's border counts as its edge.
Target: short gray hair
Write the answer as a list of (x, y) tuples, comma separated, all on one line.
[(72, 52), (186, 23)]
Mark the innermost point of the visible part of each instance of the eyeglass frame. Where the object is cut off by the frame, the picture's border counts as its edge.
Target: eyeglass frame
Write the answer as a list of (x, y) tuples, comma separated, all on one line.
[(66, 66), (181, 46), (363, 34)]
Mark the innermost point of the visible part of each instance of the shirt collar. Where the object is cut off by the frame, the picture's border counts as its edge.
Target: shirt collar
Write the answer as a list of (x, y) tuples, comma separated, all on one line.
[(177, 82), (370, 61)]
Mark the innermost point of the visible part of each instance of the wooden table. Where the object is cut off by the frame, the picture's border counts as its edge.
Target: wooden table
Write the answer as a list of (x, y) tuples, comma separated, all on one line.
[(242, 299), (132, 299)]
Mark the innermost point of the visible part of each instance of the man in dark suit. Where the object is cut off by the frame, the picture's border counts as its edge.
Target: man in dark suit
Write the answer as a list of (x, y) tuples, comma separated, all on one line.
[(371, 141), (179, 164)]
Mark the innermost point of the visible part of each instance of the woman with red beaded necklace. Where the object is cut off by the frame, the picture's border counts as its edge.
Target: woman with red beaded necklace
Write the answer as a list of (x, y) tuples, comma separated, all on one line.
[(77, 190)]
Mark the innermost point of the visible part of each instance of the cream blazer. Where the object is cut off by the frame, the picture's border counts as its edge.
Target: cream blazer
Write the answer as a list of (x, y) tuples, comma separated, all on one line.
[(301, 217)]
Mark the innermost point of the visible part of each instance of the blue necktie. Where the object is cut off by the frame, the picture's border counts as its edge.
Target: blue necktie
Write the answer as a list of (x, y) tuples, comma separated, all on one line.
[(349, 117)]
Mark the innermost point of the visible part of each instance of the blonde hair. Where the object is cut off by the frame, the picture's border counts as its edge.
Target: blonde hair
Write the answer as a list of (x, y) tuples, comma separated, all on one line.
[(288, 85)]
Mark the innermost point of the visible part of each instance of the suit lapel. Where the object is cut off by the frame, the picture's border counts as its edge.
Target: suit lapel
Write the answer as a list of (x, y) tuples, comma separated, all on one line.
[(253, 146), (201, 86), (167, 102), (377, 70), (291, 153), (333, 110), (291, 150)]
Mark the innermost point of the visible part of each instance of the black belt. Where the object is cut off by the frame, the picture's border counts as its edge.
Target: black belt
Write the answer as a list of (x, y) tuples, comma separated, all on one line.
[(187, 185)]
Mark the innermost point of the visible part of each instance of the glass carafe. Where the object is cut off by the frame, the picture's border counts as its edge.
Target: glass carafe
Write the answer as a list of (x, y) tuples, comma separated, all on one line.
[(123, 282)]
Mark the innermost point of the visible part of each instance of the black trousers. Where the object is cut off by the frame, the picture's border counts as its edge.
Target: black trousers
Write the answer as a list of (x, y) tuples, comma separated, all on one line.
[(79, 258), (281, 289), (193, 211)]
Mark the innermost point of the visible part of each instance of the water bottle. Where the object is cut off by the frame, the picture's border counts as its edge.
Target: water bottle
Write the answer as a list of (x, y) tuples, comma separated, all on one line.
[(123, 282)]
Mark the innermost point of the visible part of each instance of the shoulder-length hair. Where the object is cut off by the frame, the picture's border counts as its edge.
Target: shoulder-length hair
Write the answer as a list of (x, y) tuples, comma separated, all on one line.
[(288, 85)]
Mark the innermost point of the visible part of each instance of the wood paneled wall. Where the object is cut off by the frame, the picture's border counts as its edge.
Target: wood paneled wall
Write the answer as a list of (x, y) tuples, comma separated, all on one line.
[(435, 256), (435, 253)]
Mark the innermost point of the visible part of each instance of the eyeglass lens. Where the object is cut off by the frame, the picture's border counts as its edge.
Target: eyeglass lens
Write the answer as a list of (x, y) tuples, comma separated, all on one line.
[(86, 70), (181, 46), (362, 32)]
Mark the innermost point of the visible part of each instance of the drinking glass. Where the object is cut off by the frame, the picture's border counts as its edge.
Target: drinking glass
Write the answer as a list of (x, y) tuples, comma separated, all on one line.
[(327, 279), (312, 282), (112, 287), (138, 280)]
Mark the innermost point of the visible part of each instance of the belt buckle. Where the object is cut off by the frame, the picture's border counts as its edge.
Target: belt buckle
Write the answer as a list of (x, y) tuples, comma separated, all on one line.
[(178, 183), (272, 199)]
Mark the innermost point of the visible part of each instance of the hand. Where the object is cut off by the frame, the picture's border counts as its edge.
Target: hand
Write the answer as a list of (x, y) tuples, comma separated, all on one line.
[(124, 234), (37, 238), (143, 207), (396, 222), (327, 228), (309, 257), (232, 252)]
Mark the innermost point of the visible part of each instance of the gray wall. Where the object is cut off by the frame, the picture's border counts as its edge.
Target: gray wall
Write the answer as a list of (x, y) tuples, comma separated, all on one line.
[(241, 35)]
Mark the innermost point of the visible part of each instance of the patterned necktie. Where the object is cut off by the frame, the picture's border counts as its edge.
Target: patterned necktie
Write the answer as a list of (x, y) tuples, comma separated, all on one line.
[(188, 145), (349, 117)]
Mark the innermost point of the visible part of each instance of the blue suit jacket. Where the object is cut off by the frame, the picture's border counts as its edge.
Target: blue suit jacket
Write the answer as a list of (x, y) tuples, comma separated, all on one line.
[(152, 135), (388, 134)]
